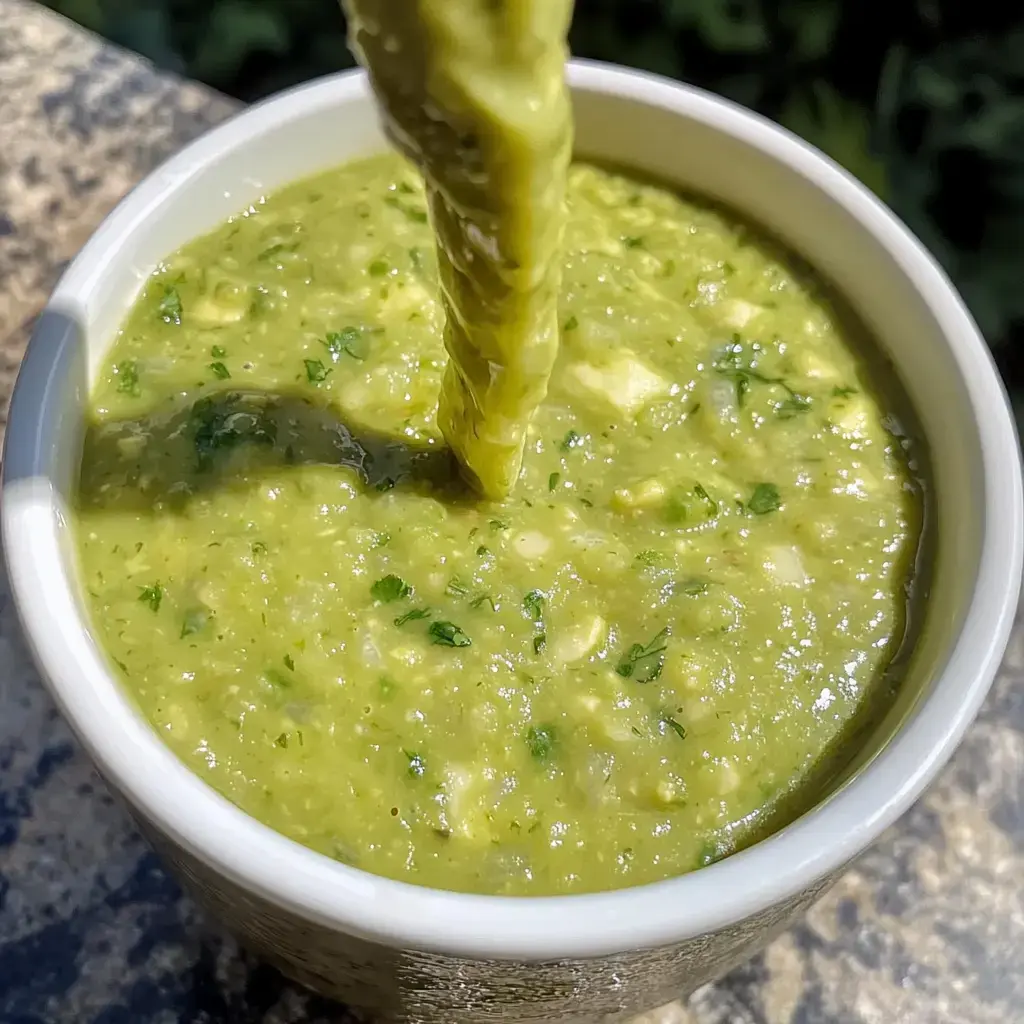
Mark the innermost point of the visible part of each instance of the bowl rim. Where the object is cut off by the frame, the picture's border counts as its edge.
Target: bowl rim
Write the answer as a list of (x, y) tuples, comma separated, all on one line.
[(400, 914)]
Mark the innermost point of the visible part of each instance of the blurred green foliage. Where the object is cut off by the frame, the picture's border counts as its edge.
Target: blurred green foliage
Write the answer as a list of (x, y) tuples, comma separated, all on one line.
[(923, 100)]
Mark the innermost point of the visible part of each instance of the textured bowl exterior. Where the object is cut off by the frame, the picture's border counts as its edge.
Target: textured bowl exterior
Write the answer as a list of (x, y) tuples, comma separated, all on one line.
[(426, 955), (435, 988)]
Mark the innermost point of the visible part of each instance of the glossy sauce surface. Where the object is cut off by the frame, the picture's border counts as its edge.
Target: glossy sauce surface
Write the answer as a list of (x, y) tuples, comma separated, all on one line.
[(630, 668)]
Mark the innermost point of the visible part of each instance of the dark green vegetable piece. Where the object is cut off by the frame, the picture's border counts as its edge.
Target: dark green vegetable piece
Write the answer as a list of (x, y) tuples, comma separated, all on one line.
[(540, 739), (127, 373), (533, 605), (668, 721), (350, 341), (220, 371), (765, 499), (792, 406), (412, 616), (733, 366), (447, 634), (316, 372), (170, 306), (643, 662), (390, 588), (706, 498), (277, 679), (152, 596), (694, 586)]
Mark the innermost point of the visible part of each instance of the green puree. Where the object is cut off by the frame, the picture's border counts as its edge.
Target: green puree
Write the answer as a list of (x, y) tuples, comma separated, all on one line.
[(643, 660)]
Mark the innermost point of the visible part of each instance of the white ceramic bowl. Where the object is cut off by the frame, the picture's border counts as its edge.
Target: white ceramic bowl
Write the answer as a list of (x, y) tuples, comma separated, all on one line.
[(424, 954)]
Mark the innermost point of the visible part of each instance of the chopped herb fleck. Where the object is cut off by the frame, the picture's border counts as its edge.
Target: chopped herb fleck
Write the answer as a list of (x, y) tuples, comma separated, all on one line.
[(316, 372), (127, 373), (447, 634), (170, 306), (484, 598), (390, 588), (483, 551), (258, 548), (570, 441), (553, 481), (643, 662), (648, 557), (152, 596), (417, 765), (838, 392), (694, 586), (533, 605), (378, 268), (668, 721), (540, 739), (350, 341), (498, 524), (289, 662), (571, 324), (277, 679), (282, 741), (706, 498), (218, 351), (220, 371), (679, 507), (456, 588), (764, 499), (792, 406), (632, 241), (732, 366), (540, 641), (278, 247), (412, 616)]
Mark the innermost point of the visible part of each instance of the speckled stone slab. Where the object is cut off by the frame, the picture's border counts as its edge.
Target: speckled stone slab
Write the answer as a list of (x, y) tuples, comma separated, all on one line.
[(928, 929)]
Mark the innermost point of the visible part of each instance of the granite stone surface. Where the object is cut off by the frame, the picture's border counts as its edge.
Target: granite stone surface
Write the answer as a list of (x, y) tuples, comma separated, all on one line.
[(928, 928)]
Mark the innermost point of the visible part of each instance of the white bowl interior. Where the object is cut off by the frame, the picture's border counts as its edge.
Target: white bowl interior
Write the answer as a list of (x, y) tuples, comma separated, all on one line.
[(680, 136)]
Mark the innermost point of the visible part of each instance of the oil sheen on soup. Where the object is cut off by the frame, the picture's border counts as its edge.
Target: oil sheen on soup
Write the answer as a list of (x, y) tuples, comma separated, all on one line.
[(629, 669)]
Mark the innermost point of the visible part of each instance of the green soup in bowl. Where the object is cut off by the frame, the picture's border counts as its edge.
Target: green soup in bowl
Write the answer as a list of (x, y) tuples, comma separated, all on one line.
[(633, 666), (618, 729)]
